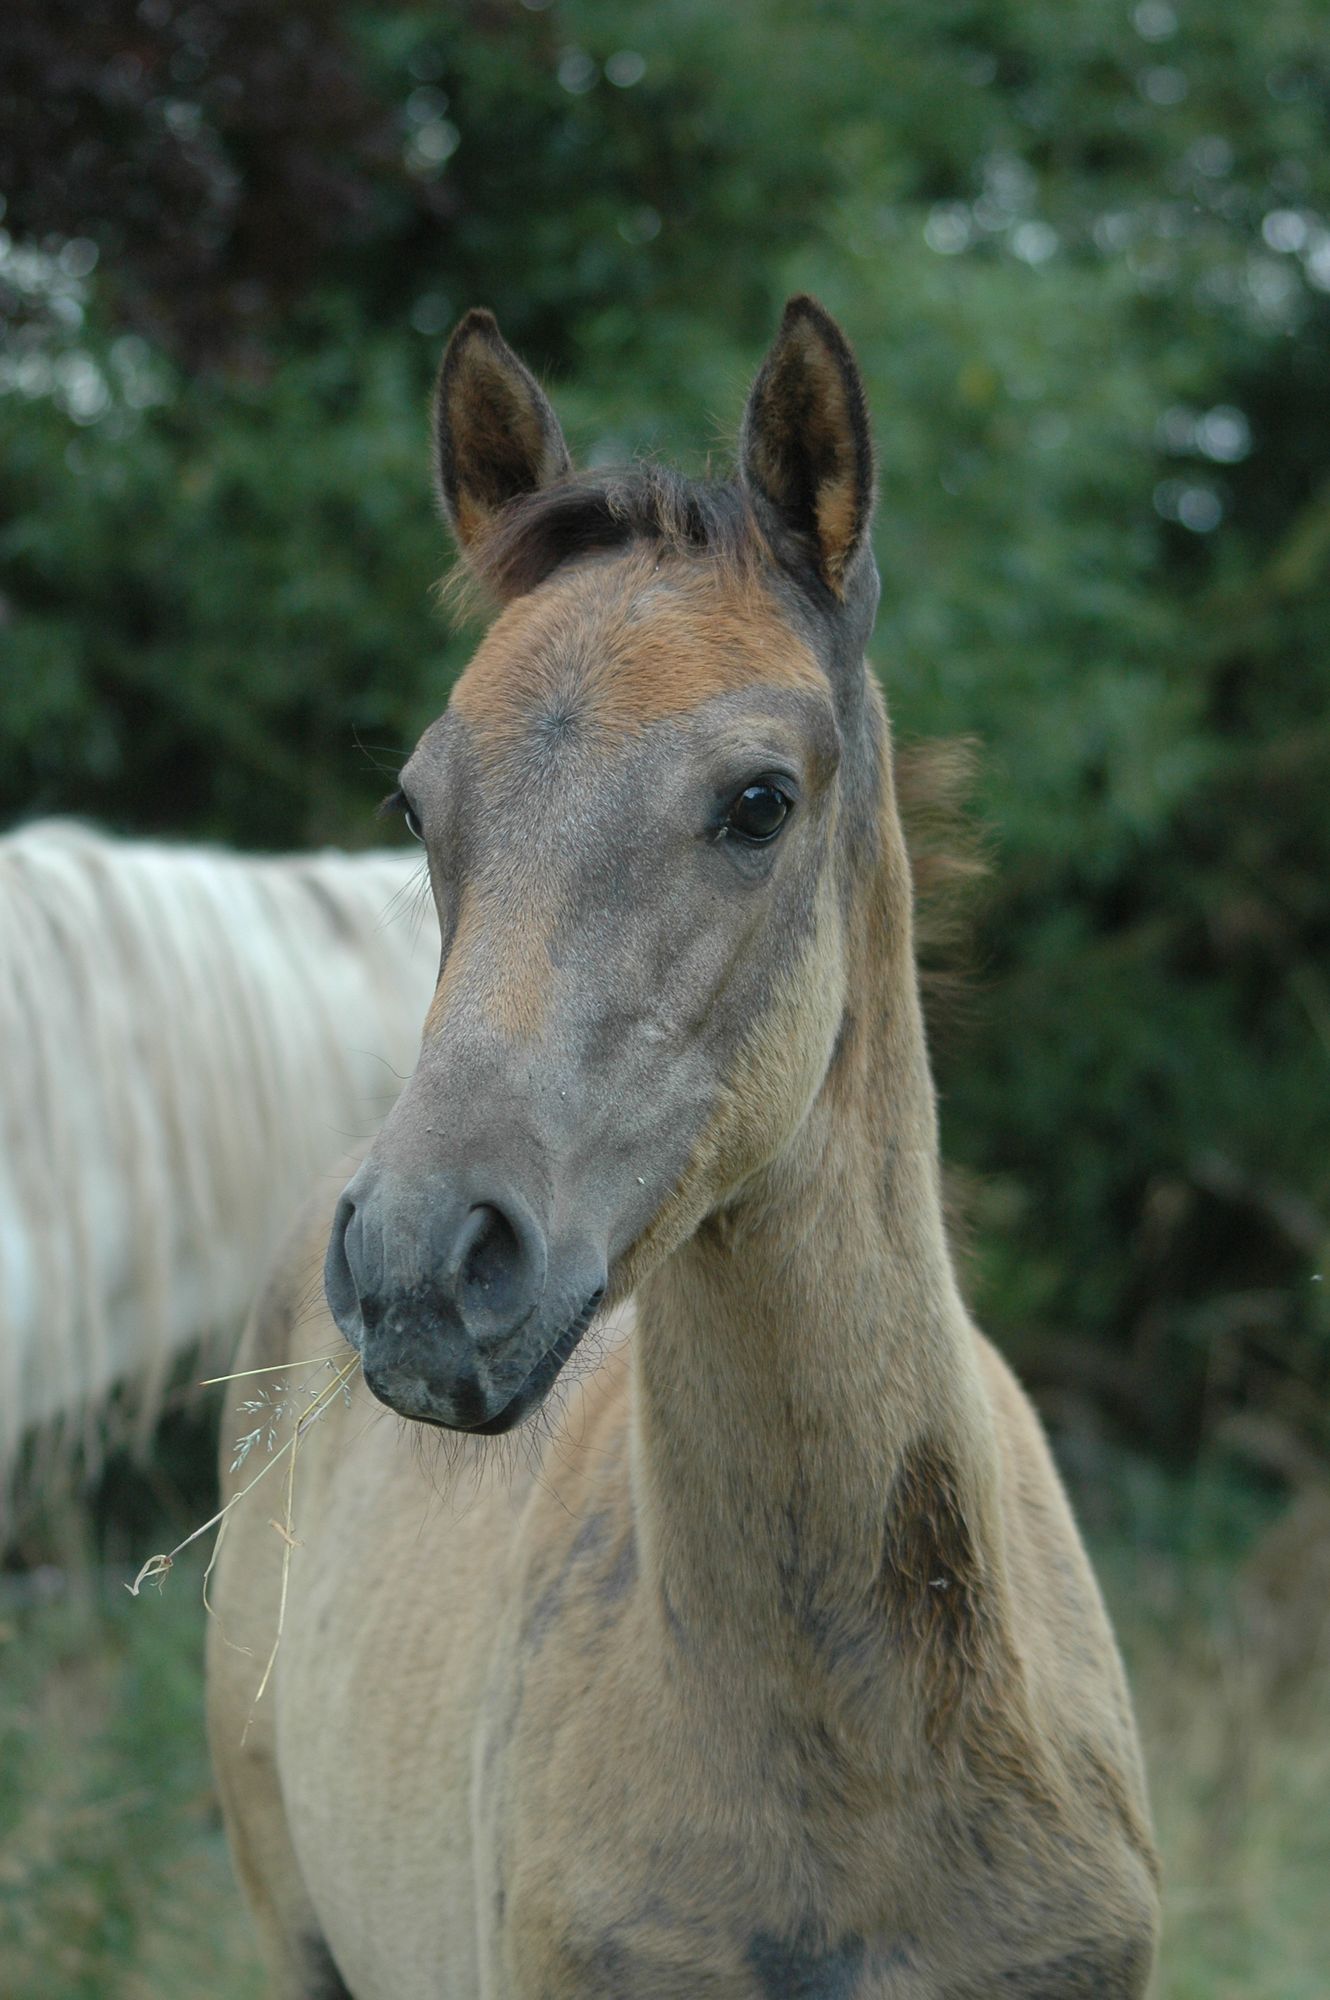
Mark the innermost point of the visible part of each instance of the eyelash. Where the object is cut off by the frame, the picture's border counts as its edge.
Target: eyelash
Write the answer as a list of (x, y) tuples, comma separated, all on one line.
[(397, 802)]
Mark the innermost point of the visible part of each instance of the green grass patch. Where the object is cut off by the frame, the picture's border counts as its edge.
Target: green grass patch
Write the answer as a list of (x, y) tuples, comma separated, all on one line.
[(114, 1875), (1220, 1599)]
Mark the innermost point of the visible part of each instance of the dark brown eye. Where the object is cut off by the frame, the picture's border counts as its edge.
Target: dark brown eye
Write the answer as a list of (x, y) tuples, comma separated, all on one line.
[(413, 825), (758, 814)]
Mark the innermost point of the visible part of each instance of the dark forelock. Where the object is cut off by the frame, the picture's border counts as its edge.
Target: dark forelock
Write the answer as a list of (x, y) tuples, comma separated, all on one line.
[(594, 511)]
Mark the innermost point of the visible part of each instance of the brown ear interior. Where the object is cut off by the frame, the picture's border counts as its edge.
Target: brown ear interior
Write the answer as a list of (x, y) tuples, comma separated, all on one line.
[(495, 435), (807, 451)]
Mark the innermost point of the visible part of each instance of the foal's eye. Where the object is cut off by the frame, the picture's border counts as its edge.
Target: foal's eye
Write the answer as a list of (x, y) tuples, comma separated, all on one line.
[(758, 814), (397, 802)]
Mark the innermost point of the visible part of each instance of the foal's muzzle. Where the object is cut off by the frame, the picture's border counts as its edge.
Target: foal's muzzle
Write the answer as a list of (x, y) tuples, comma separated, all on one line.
[(447, 1285)]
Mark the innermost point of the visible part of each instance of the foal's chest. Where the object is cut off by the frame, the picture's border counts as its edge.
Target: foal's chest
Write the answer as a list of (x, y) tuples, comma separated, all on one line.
[(619, 1857), (537, 1794), (647, 1949)]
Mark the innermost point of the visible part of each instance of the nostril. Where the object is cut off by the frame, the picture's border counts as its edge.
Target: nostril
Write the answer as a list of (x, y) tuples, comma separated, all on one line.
[(495, 1269), (488, 1259), (339, 1277)]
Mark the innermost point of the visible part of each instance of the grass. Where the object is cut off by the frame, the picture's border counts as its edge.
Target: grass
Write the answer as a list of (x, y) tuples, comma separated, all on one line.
[(1224, 1616), (114, 1878), (114, 1875)]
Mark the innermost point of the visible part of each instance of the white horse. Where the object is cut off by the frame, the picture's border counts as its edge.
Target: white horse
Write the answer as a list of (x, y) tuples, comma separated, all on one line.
[(187, 1038)]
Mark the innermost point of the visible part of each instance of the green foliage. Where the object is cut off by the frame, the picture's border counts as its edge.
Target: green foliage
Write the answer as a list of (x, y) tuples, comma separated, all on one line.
[(219, 604), (1085, 258)]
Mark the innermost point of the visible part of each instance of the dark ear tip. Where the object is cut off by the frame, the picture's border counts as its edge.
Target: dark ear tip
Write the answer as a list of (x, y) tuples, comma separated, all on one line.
[(477, 319), (804, 308), (477, 324)]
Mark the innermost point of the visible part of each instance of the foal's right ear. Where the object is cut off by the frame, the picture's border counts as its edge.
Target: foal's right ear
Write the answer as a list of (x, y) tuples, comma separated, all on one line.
[(805, 454), (495, 435)]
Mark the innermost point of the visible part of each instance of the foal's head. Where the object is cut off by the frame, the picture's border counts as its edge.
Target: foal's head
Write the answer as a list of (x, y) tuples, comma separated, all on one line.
[(645, 812)]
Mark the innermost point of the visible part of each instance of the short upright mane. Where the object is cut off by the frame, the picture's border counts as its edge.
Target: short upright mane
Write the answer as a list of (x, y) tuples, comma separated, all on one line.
[(585, 513)]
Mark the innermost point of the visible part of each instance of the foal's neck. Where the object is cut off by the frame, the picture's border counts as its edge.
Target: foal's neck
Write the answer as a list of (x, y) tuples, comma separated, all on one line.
[(802, 1356)]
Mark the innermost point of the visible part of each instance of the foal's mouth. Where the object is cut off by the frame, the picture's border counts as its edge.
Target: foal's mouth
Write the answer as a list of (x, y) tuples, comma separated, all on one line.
[(542, 1377), (526, 1398)]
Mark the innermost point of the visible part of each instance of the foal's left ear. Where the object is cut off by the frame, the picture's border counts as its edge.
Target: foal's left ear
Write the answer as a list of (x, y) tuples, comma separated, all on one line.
[(805, 452), (495, 435)]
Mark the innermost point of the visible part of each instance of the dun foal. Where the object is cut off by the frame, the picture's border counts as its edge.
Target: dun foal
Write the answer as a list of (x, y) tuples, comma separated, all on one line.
[(779, 1670)]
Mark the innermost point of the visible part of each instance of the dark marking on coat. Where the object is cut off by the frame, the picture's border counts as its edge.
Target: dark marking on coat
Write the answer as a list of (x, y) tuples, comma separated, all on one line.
[(674, 1624), (843, 1634), (619, 1578), (800, 1586), (826, 1772), (634, 1961), (610, 1588), (544, 1611), (592, 1534), (931, 1582), (798, 1969), (977, 1830)]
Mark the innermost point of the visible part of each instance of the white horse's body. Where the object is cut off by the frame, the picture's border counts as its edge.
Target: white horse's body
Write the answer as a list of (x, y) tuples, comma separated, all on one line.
[(188, 1037)]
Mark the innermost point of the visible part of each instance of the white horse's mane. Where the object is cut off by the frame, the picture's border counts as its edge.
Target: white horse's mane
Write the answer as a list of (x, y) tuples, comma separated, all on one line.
[(189, 1038)]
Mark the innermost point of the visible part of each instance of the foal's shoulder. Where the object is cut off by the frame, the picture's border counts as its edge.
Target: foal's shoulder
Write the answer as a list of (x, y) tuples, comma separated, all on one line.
[(1076, 1693), (1070, 1655)]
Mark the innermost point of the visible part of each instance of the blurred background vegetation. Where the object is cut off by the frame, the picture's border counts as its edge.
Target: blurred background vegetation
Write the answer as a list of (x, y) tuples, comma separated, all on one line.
[(1083, 251)]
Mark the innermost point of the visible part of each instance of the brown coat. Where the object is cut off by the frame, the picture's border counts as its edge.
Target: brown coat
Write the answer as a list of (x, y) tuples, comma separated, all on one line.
[(771, 1663)]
